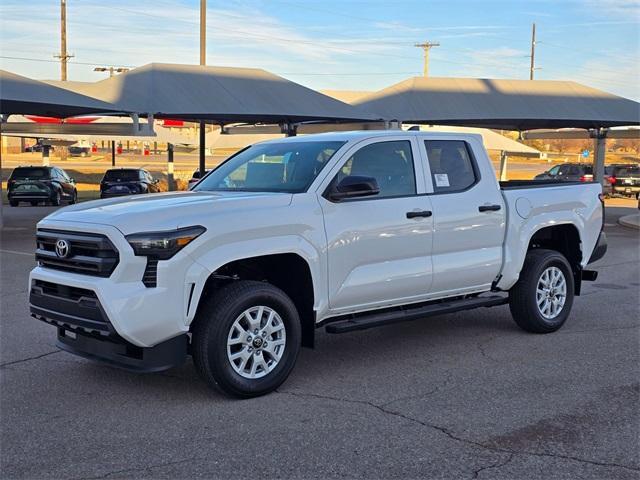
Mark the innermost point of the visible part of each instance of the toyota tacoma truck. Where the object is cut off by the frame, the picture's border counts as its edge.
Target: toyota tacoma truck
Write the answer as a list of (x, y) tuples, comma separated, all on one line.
[(347, 230)]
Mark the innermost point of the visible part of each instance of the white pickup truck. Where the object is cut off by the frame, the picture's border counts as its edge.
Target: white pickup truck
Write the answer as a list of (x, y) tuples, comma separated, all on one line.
[(344, 230)]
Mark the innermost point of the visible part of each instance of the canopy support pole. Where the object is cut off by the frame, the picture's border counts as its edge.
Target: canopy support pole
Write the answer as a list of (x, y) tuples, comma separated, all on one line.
[(503, 166), (289, 129), (201, 164), (1, 189), (599, 153), (113, 153), (45, 155), (170, 181)]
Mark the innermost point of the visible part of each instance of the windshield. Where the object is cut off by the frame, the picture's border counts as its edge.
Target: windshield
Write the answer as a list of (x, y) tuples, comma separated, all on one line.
[(288, 167), (30, 173), (126, 175)]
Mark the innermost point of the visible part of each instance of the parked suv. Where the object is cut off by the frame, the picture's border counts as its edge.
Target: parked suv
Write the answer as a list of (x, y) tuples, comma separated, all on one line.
[(127, 181), (624, 178), (41, 184), (195, 178), (79, 151)]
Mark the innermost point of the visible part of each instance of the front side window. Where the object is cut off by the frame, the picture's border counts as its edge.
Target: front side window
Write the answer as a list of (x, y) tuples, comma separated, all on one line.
[(554, 170), (390, 163), (452, 168), (288, 167)]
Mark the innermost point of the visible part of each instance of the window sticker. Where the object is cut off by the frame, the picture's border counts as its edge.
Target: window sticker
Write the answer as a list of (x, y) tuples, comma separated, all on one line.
[(442, 179)]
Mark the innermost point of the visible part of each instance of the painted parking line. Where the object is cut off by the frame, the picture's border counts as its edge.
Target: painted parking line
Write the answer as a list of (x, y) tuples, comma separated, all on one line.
[(16, 252)]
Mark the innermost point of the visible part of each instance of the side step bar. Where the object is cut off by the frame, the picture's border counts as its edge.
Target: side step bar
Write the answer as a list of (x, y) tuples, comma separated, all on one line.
[(378, 318)]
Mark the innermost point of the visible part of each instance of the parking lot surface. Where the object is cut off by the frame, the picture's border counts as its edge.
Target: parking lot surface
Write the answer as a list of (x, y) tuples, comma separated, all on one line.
[(465, 395)]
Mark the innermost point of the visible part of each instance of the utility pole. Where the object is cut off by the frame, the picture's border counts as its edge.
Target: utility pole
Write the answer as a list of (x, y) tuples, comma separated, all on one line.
[(64, 57), (426, 46), (533, 52), (203, 32), (203, 61)]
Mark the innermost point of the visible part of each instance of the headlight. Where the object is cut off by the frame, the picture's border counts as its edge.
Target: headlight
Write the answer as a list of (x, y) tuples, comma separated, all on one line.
[(163, 245)]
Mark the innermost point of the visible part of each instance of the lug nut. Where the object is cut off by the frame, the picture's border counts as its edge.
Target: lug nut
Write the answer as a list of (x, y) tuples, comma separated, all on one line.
[(250, 349), (264, 334), (265, 344), (255, 331), (257, 352), (249, 338)]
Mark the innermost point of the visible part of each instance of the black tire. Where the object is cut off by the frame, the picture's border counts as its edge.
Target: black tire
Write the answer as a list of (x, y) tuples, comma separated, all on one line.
[(13, 203), (522, 296), (56, 199), (74, 198), (214, 319)]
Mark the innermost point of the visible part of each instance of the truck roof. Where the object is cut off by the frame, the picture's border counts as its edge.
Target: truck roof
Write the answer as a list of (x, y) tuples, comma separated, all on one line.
[(364, 134)]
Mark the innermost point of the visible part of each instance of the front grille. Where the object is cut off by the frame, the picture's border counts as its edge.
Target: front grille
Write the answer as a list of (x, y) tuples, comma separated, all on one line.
[(150, 277), (68, 307), (88, 253)]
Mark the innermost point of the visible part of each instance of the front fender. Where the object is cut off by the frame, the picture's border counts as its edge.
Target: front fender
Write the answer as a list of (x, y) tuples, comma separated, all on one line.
[(213, 260)]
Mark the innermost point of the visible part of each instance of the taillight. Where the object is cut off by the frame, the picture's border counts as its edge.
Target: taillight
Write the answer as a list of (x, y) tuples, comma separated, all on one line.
[(583, 178), (612, 180)]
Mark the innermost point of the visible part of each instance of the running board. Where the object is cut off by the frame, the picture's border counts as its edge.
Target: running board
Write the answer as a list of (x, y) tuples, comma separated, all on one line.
[(378, 318)]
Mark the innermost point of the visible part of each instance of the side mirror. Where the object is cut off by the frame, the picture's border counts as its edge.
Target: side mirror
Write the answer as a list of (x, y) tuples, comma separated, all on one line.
[(72, 180), (354, 186)]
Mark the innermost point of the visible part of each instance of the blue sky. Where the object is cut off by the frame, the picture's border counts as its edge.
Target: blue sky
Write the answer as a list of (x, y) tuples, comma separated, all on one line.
[(329, 44)]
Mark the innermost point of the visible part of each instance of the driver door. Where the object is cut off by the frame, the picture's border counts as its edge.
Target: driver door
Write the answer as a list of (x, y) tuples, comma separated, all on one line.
[(379, 246)]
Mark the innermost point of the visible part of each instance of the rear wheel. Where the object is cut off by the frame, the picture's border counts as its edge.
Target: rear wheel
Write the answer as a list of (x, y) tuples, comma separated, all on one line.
[(74, 198), (55, 201), (13, 203), (541, 300), (246, 338)]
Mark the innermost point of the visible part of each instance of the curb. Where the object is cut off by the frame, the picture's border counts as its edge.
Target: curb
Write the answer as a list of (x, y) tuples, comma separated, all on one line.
[(631, 221)]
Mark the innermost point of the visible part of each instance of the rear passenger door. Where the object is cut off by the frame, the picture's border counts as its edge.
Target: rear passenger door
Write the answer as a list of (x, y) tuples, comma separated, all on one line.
[(468, 215)]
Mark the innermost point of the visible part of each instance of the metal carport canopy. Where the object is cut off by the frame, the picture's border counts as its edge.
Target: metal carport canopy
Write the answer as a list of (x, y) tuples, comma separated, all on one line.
[(217, 95), (501, 104), (22, 95)]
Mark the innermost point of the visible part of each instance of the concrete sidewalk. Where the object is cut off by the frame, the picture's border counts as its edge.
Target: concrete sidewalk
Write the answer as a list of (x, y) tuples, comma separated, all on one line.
[(631, 221)]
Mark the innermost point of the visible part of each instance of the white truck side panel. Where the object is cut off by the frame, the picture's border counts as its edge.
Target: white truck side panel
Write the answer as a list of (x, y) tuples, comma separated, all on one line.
[(541, 207)]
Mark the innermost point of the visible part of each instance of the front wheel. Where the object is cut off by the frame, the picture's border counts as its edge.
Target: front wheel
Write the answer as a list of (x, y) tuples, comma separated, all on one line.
[(74, 198), (541, 300), (246, 338)]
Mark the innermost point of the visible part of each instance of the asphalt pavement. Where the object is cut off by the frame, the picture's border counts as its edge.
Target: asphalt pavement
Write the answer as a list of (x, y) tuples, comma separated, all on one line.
[(465, 395)]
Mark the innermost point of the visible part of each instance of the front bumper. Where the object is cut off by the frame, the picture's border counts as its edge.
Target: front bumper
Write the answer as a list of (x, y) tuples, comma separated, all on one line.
[(127, 309)]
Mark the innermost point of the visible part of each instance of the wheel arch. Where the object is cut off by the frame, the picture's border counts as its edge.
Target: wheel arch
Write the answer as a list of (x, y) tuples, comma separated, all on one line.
[(292, 272), (565, 239)]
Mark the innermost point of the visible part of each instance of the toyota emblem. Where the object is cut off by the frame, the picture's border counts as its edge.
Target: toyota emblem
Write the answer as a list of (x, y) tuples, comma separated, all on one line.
[(62, 248)]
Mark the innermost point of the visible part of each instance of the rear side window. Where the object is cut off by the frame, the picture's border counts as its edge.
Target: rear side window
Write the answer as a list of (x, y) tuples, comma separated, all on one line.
[(452, 168), (30, 173)]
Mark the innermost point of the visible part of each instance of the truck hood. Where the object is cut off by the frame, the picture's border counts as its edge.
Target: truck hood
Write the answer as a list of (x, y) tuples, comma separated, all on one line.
[(164, 211)]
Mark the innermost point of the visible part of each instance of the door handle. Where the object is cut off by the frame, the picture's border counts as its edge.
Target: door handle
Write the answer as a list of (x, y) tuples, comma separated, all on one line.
[(489, 208), (419, 213)]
